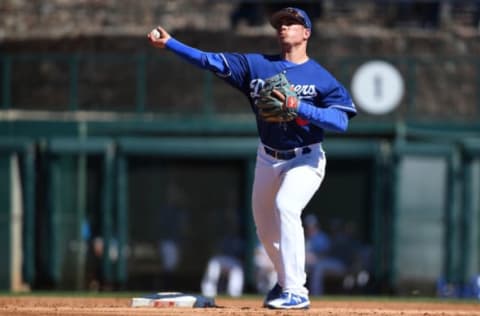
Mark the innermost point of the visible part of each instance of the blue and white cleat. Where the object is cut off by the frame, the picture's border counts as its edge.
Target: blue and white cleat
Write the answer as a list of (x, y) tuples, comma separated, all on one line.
[(289, 300), (273, 294)]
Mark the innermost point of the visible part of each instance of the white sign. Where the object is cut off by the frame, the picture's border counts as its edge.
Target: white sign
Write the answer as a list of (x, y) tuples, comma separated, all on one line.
[(377, 87)]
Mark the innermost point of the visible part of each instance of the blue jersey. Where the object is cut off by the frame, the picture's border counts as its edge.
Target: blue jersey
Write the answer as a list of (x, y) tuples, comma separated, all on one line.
[(323, 100), (314, 85)]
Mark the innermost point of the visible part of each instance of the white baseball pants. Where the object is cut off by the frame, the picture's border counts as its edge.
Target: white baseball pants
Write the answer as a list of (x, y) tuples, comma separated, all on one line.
[(281, 190)]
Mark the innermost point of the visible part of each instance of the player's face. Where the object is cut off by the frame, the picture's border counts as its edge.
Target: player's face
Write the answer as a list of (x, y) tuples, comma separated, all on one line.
[(289, 31)]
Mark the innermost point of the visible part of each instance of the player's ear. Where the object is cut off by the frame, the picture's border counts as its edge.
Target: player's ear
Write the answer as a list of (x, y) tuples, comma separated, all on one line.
[(307, 33)]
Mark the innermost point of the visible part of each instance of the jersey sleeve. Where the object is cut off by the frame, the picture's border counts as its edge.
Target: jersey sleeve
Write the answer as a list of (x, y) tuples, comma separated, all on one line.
[(238, 70), (337, 97), (330, 118), (214, 62), (332, 109), (232, 67)]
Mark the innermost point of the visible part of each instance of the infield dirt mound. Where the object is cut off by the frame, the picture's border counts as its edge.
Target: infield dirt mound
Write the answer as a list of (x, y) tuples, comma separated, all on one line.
[(96, 306)]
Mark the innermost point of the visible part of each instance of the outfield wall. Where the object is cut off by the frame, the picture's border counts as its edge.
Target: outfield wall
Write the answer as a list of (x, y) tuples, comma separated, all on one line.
[(415, 203)]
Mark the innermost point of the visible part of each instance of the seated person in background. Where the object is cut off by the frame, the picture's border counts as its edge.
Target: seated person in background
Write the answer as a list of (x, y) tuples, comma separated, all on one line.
[(227, 262), (265, 275), (354, 254), (319, 260)]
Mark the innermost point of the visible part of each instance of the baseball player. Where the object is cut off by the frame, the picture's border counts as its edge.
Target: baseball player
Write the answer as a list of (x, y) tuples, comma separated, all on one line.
[(295, 100)]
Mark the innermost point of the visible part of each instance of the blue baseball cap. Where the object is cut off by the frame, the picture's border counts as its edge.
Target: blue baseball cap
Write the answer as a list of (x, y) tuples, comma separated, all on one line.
[(293, 13)]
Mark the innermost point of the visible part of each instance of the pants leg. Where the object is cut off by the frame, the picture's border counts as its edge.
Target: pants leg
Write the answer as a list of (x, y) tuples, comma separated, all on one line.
[(281, 191), (235, 281), (265, 215), (210, 280), (298, 187)]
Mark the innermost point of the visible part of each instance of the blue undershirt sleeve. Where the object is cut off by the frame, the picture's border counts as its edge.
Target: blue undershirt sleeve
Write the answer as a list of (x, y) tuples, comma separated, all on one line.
[(329, 118), (211, 61)]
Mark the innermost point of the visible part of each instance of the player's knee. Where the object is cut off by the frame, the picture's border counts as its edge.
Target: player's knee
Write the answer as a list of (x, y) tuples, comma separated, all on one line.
[(287, 209)]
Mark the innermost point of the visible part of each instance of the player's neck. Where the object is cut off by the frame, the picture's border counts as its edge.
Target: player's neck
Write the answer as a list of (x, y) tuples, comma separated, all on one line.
[(295, 54), (295, 57)]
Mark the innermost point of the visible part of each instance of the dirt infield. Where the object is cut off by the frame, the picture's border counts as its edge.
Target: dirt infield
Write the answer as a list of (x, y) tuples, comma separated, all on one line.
[(100, 306)]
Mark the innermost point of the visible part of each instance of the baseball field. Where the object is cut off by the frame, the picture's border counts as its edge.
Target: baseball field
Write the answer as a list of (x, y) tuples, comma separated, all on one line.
[(116, 304)]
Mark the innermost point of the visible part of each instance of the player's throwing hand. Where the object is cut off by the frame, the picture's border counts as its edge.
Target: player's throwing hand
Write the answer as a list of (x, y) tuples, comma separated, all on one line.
[(158, 37)]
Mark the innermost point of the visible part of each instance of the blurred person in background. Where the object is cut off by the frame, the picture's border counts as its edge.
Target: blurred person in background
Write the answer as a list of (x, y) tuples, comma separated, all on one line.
[(265, 275), (319, 259), (226, 265)]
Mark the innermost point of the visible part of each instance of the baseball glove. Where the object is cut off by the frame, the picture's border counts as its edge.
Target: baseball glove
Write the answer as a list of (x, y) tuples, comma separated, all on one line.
[(278, 101)]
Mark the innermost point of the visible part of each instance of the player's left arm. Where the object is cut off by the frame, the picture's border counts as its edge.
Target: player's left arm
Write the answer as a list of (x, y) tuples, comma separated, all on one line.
[(330, 118), (335, 116)]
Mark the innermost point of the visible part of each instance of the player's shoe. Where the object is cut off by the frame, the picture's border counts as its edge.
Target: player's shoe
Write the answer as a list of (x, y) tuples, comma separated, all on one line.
[(273, 294), (289, 300)]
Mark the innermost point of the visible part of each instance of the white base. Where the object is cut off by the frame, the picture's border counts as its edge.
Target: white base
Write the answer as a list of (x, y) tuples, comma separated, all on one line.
[(165, 299)]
